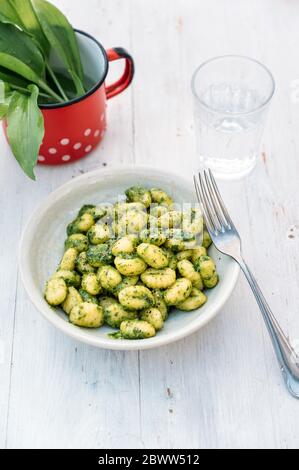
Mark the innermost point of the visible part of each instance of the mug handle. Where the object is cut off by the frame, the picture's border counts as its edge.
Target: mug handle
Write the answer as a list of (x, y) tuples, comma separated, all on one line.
[(118, 87)]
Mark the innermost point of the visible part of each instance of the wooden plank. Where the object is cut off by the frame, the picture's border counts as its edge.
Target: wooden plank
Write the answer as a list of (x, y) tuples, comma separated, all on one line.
[(56, 385), (11, 215), (231, 408)]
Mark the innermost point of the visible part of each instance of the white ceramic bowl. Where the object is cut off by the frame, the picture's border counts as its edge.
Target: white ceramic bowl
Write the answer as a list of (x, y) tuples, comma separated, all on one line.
[(41, 249)]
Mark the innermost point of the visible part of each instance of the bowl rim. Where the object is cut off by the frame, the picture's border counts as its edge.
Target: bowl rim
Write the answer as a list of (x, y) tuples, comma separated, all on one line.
[(80, 334)]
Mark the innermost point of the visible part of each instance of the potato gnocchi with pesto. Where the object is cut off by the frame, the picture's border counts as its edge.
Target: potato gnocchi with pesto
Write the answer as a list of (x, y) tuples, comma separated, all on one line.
[(127, 265)]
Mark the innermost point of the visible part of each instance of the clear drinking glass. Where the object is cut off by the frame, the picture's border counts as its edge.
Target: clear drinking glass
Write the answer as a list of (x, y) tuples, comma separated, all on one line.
[(232, 95)]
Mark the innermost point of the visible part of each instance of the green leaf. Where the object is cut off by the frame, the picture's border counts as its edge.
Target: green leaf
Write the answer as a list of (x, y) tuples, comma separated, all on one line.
[(4, 107), (77, 82), (25, 129), (12, 78), (56, 81), (9, 14), (66, 82), (4, 19), (20, 54), (31, 24), (3, 110), (5, 95), (60, 35), (4, 90)]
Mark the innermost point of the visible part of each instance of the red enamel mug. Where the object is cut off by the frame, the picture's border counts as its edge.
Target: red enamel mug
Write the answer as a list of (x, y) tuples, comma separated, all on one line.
[(75, 128)]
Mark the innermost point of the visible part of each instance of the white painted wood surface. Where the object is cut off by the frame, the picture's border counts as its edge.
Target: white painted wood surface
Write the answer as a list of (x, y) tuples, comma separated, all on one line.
[(221, 387)]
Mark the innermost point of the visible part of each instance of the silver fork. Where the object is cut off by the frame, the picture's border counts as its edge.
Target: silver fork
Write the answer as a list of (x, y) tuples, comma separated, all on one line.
[(227, 240)]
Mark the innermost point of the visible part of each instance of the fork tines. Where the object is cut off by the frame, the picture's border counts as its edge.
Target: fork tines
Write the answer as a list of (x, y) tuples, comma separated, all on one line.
[(215, 213)]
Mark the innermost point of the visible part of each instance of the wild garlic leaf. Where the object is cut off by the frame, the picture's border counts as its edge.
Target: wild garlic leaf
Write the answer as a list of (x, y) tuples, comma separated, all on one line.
[(80, 90), (5, 19), (5, 94), (25, 129), (60, 35), (20, 54), (9, 14), (31, 24), (12, 78), (3, 110)]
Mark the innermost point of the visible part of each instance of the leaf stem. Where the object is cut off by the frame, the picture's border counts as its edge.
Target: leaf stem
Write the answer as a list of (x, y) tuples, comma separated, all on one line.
[(52, 93), (24, 90), (56, 81)]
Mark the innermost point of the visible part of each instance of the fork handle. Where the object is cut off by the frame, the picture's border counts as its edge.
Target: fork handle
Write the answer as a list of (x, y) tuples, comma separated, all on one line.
[(287, 357)]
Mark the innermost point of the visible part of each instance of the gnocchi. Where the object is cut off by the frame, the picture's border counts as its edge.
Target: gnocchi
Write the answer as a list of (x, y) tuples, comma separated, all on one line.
[(161, 197), (198, 252), (179, 292), (127, 265), (99, 233), (88, 297), (160, 303), (85, 222), (130, 265), (87, 315), (56, 291), (196, 300), (207, 268), (172, 259), (154, 317), (158, 211), (136, 298), (179, 240), (71, 278), (186, 269), (172, 219), (159, 278), (82, 265), (99, 255), (153, 255), (68, 262), (81, 225), (91, 284), (122, 207), (109, 277), (154, 237), (137, 329), (77, 241), (73, 298), (133, 222), (207, 241), (124, 245), (138, 194), (126, 282), (115, 314), (186, 254)]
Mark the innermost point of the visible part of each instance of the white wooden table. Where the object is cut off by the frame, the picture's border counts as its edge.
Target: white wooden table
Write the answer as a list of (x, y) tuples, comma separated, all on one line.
[(221, 387)]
